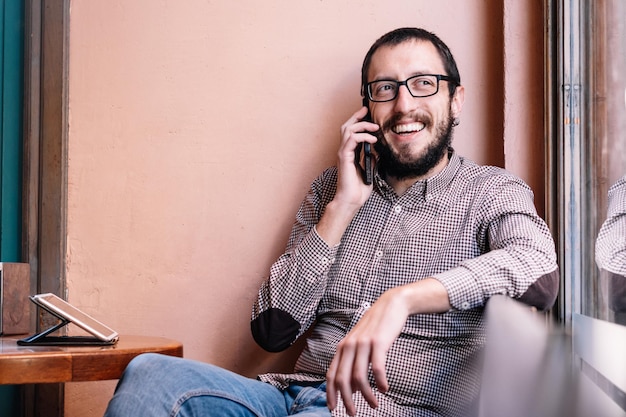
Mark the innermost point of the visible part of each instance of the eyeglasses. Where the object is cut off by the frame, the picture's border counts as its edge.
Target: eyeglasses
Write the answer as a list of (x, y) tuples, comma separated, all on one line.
[(423, 85)]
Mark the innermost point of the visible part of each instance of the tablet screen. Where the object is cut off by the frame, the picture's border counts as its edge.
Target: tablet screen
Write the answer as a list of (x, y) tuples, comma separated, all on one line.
[(62, 309)]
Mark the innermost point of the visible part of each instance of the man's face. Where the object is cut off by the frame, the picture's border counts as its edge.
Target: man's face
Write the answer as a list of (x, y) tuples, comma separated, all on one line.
[(416, 130)]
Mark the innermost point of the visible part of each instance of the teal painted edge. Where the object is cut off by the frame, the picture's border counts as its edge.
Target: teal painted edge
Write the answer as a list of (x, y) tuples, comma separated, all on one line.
[(9, 395), (11, 157), (2, 106), (11, 103)]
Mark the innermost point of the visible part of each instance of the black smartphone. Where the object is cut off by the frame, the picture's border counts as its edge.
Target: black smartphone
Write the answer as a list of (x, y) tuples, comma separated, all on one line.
[(368, 168)]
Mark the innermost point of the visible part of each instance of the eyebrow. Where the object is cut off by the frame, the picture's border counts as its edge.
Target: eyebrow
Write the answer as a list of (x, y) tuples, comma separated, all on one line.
[(413, 75)]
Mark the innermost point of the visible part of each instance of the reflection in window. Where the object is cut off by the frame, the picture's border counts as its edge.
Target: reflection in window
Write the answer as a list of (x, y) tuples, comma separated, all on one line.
[(604, 291), (611, 252)]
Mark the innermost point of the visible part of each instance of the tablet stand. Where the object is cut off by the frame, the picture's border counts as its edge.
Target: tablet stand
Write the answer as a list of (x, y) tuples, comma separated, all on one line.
[(42, 338)]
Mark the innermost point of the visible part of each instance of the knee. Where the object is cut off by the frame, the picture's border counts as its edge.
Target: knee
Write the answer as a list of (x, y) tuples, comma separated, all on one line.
[(147, 366), (147, 360)]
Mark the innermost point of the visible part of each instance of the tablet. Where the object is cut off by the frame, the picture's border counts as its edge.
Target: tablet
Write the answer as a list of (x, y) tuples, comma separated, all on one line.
[(68, 312)]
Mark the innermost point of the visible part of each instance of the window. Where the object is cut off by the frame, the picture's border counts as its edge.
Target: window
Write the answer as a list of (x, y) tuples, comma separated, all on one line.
[(586, 91), (606, 72), (586, 97)]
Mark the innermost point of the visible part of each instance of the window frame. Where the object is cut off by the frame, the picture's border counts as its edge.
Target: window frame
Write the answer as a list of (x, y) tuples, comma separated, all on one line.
[(44, 186)]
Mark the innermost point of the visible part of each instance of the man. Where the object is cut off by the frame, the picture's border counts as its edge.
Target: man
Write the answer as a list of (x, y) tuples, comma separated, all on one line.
[(388, 280)]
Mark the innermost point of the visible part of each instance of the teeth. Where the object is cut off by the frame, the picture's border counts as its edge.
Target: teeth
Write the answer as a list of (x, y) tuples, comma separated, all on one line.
[(411, 127)]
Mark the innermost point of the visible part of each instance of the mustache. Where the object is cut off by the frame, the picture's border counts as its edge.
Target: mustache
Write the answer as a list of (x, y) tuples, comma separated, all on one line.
[(404, 118)]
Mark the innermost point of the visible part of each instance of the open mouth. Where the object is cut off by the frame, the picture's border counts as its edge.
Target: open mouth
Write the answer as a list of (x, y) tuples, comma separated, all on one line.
[(408, 128)]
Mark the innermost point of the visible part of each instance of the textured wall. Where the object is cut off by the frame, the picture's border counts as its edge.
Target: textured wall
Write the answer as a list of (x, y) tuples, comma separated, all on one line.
[(195, 130)]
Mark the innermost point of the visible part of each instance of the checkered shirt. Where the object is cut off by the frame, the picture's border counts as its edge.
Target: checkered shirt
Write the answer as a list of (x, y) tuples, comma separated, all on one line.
[(474, 228), (611, 242)]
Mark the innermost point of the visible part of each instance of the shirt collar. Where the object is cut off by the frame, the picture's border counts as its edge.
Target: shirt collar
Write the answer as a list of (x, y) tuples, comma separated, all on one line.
[(426, 188)]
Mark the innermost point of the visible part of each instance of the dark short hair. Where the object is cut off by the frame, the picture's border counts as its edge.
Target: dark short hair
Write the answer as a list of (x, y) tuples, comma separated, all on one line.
[(398, 36)]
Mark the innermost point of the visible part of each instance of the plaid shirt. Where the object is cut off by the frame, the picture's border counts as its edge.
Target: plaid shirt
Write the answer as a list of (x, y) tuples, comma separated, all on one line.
[(474, 228), (611, 242)]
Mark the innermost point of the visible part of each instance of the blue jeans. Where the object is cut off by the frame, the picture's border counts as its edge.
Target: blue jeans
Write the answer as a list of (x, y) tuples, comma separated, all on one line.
[(155, 385)]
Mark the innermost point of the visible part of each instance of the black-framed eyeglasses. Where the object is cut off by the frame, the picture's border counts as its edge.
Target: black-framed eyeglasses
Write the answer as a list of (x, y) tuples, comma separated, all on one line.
[(423, 85)]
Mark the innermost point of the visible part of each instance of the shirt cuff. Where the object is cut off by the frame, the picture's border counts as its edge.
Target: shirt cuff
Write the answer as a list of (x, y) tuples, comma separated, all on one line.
[(314, 252), (463, 290)]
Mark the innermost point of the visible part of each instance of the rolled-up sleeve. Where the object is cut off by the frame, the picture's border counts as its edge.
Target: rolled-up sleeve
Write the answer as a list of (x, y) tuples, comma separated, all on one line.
[(520, 257)]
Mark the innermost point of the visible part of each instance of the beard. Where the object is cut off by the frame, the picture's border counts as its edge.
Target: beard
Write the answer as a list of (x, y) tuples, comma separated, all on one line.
[(401, 165)]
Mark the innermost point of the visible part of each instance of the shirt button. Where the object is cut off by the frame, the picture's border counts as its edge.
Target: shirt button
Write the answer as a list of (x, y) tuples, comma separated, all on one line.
[(429, 197), (379, 254), (366, 305), (324, 260), (465, 305), (397, 208)]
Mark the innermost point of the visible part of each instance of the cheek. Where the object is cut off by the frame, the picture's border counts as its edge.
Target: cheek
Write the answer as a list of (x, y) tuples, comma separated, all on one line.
[(443, 112), (377, 113)]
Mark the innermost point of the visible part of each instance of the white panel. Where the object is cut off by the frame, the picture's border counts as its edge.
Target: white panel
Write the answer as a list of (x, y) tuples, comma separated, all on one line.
[(603, 346)]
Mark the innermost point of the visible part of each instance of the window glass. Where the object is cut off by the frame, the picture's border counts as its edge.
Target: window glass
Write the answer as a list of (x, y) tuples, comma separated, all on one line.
[(604, 288)]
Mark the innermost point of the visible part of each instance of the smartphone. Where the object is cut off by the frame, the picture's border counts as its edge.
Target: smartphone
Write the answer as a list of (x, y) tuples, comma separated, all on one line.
[(66, 311), (368, 166)]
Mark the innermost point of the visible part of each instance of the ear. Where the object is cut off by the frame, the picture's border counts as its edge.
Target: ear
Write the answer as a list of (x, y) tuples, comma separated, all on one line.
[(458, 99), (366, 102)]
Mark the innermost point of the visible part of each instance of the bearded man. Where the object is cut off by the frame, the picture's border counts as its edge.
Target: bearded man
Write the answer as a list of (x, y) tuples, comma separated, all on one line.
[(387, 281)]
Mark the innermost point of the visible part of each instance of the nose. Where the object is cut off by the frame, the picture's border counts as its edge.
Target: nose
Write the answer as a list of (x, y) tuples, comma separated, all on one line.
[(404, 100)]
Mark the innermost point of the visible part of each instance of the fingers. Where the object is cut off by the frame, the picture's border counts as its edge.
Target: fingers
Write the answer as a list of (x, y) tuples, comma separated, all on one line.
[(348, 374), (353, 133), (379, 357), (358, 129), (331, 382), (335, 376), (352, 190), (339, 380)]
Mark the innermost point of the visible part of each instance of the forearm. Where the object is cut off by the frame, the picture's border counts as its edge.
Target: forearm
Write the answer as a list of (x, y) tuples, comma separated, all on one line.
[(524, 273), (422, 297)]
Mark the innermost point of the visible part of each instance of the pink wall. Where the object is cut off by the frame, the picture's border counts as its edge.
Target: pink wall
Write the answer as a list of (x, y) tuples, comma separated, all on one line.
[(196, 128), (524, 93)]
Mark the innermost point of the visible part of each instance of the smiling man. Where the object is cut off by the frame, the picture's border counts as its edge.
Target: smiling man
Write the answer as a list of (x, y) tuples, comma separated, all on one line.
[(387, 281), (415, 138)]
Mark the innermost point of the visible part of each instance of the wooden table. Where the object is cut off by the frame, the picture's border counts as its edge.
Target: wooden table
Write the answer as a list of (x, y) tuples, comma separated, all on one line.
[(48, 364)]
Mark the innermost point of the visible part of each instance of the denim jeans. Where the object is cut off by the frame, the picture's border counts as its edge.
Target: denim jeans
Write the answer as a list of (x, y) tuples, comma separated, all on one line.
[(155, 385)]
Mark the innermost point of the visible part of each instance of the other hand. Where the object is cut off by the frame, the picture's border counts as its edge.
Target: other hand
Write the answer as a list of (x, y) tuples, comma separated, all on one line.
[(367, 343)]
